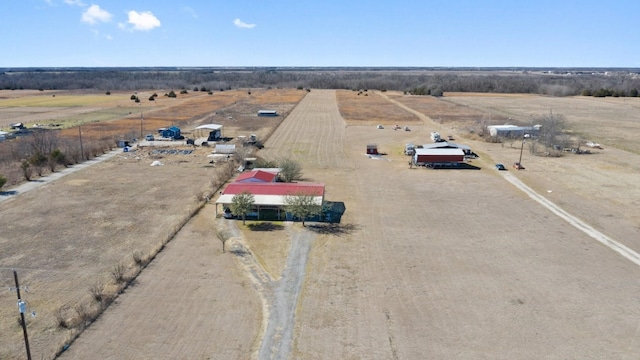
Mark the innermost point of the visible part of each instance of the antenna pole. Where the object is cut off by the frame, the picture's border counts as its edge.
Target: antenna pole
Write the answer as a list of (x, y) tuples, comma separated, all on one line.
[(21, 307)]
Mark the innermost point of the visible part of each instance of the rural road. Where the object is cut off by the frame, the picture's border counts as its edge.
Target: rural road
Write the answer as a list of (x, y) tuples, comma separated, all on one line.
[(574, 221)]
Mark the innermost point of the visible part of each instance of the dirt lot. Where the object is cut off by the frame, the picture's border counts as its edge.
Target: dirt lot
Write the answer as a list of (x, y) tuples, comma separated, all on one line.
[(426, 263)]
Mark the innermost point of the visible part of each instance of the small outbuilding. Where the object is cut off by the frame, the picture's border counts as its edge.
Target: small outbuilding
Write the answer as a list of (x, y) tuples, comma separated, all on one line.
[(512, 130), (267, 113), (372, 149), (225, 149), (257, 176), (215, 131), (171, 132)]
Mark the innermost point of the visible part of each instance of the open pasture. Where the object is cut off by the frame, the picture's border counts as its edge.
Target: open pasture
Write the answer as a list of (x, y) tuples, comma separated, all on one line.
[(426, 263), (363, 108), (613, 122)]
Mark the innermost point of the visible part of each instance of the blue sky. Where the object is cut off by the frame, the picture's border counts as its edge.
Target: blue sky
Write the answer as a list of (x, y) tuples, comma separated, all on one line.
[(457, 33)]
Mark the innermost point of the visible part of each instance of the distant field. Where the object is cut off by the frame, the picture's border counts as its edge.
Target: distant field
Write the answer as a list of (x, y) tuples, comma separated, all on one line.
[(610, 121), (364, 108)]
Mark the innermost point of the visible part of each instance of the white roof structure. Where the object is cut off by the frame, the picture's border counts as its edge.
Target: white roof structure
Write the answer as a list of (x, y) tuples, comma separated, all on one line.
[(439, 151), (225, 148), (209, 127), (445, 144)]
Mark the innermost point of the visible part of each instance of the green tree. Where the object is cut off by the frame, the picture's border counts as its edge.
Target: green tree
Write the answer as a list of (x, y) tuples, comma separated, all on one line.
[(290, 170), (302, 205), (3, 180), (241, 204)]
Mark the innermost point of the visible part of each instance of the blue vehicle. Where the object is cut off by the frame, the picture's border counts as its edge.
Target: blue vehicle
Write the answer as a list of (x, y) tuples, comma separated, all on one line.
[(500, 167)]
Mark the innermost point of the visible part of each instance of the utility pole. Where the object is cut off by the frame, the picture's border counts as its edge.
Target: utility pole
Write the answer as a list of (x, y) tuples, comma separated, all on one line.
[(141, 118), (81, 149), (22, 308)]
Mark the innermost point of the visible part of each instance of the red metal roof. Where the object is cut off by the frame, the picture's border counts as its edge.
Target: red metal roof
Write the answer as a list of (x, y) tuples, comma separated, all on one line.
[(277, 188), (258, 175)]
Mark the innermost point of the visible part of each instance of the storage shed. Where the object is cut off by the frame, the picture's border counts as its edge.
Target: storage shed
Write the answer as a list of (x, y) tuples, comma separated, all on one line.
[(372, 149), (257, 176), (215, 131), (225, 149), (267, 113), (438, 156), (171, 132), (512, 130)]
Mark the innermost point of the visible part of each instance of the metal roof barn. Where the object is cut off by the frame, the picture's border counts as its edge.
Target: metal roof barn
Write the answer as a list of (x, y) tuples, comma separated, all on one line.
[(446, 155)]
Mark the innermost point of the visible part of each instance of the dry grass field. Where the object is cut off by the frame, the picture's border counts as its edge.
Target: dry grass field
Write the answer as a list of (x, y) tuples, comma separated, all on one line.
[(425, 264), (68, 237), (363, 108)]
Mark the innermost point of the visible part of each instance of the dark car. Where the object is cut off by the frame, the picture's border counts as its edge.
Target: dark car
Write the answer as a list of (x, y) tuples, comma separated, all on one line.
[(500, 167), (228, 214)]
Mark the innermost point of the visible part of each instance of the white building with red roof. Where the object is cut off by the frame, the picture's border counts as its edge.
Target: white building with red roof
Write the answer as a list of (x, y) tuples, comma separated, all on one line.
[(270, 196)]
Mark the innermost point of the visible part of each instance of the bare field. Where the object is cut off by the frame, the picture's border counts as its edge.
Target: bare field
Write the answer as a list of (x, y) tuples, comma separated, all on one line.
[(425, 264), (68, 236), (362, 108), (613, 122)]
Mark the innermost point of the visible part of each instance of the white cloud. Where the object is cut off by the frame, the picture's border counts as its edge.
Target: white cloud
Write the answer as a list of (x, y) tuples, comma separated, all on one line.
[(243, 25), (142, 21), (190, 11), (94, 14), (74, 2)]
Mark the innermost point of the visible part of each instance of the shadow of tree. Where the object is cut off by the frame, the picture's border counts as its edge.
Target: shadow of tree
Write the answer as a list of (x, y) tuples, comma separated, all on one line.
[(265, 226), (333, 229), (239, 252)]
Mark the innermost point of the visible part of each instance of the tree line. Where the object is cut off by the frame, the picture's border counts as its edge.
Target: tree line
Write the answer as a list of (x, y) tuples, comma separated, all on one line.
[(597, 82)]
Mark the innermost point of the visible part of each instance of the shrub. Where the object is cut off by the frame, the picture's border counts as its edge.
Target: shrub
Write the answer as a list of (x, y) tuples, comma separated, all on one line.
[(97, 292), (118, 272), (61, 317), (108, 93), (27, 171), (171, 94), (133, 97), (3, 180)]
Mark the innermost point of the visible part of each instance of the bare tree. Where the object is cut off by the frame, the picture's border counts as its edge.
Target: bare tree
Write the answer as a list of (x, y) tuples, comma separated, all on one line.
[(553, 126), (223, 236)]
